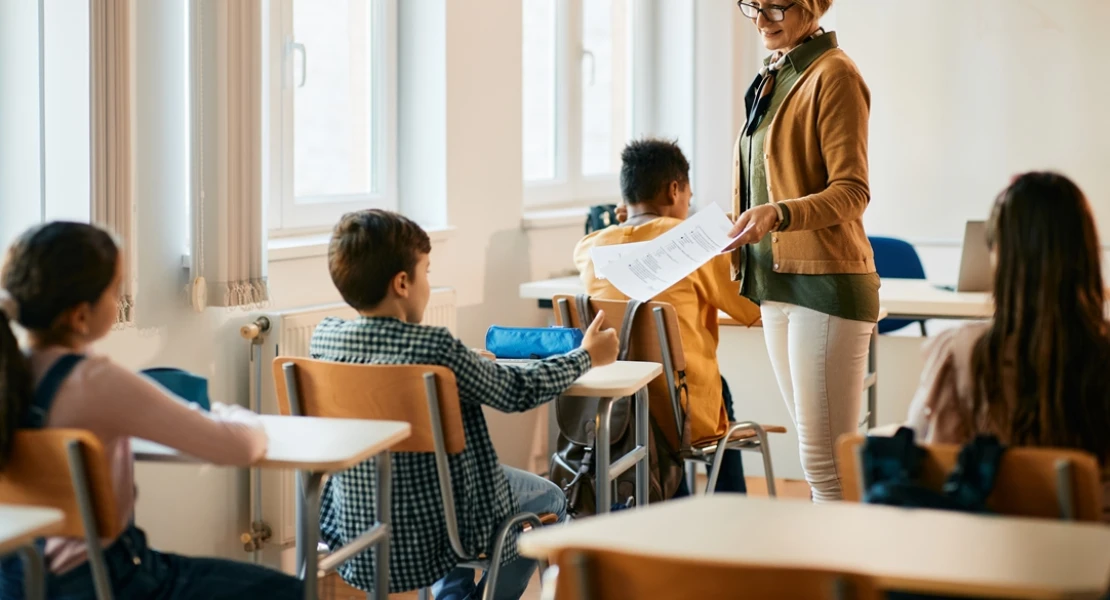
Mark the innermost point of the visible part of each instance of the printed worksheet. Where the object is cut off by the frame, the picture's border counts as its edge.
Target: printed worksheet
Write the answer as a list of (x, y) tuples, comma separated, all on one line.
[(603, 255), (654, 266)]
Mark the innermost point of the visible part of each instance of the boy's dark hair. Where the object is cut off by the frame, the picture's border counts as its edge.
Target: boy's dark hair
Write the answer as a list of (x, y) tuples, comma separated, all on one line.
[(648, 166), (368, 249)]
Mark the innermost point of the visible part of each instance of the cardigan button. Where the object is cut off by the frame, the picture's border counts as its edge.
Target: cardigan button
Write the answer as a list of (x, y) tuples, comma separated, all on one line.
[(776, 266)]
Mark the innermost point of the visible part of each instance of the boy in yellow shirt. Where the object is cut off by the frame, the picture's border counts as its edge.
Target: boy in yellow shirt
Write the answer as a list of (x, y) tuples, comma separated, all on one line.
[(655, 185)]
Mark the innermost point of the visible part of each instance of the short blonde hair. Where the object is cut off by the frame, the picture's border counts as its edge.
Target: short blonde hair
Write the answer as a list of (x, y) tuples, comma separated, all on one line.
[(816, 8)]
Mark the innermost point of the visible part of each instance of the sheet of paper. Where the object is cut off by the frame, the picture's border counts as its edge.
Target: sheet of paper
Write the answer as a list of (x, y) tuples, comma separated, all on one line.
[(654, 266), (603, 255)]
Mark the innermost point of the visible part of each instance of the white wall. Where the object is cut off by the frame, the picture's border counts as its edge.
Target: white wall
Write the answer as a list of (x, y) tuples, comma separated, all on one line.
[(964, 95)]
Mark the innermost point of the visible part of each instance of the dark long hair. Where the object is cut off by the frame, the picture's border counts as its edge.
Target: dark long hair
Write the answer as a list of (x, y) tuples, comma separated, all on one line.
[(49, 270), (1048, 350)]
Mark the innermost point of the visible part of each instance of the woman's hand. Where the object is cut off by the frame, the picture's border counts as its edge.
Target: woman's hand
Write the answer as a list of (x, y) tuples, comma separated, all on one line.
[(752, 225)]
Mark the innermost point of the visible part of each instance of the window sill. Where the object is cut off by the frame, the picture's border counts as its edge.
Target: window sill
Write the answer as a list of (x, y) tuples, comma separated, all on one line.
[(553, 219), (316, 245)]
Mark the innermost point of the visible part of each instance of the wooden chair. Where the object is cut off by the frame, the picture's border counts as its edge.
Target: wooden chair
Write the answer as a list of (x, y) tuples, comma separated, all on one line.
[(656, 338), (1050, 483), (426, 397), (65, 469), (578, 574)]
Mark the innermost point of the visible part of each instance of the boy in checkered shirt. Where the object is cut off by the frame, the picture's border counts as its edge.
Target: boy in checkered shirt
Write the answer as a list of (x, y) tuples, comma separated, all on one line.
[(379, 262)]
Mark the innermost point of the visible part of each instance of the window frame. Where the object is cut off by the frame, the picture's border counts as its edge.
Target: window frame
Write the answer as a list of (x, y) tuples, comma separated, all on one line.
[(289, 215), (570, 187)]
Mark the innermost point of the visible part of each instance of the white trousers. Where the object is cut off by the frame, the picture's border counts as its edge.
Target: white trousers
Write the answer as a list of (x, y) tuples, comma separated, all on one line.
[(820, 362)]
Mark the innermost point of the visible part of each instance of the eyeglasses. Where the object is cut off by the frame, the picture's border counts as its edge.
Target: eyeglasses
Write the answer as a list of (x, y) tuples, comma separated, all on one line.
[(773, 13)]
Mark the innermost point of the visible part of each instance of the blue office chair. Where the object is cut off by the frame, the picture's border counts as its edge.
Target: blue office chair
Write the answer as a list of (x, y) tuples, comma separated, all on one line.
[(897, 259)]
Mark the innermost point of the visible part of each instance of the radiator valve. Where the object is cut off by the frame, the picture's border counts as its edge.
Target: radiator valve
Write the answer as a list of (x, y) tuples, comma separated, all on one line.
[(253, 331), (260, 533)]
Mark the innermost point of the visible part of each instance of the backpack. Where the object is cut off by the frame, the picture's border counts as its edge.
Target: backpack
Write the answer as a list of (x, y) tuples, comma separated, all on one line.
[(600, 217), (892, 467), (573, 465)]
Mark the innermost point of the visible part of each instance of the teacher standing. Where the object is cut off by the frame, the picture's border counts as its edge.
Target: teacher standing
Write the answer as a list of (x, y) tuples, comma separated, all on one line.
[(800, 188)]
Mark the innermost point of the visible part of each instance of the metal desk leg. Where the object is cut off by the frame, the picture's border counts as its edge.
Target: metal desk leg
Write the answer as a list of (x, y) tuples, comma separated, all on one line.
[(302, 522), (642, 442), (383, 494), (602, 484), (309, 531), (34, 575), (873, 375)]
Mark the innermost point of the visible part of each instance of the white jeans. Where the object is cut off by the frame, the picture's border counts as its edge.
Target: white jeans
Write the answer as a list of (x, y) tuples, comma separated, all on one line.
[(820, 362)]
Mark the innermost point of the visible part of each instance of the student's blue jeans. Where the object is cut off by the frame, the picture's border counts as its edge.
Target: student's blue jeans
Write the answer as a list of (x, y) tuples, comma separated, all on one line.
[(138, 572), (731, 476), (533, 494)]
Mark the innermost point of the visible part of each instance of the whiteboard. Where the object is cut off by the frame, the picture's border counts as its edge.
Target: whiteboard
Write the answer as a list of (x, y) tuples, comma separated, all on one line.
[(967, 93)]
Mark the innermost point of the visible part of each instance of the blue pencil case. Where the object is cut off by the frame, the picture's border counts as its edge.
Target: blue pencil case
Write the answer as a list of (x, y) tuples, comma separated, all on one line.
[(192, 388), (531, 342)]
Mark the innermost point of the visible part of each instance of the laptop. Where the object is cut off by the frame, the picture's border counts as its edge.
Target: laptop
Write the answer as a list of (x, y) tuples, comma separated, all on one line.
[(975, 260)]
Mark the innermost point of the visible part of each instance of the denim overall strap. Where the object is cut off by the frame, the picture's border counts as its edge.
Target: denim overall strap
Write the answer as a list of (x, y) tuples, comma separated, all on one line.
[(11, 568), (43, 399)]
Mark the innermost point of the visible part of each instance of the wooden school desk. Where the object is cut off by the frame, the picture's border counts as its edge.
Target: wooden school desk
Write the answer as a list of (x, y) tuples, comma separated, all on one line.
[(925, 551), (611, 383), (902, 298), (919, 299), (314, 447), (19, 527)]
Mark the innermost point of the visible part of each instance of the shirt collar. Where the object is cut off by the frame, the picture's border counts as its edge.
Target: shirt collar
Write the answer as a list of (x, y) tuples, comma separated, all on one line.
[(803, 55)]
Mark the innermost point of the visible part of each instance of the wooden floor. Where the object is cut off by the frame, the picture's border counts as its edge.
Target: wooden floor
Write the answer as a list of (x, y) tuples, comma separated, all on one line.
[(333, 588)]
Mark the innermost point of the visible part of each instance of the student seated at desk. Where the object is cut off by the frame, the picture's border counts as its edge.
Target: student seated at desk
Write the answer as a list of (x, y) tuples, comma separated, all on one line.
[(379, 262), (655, 185), (1035, 374), (61, 282)]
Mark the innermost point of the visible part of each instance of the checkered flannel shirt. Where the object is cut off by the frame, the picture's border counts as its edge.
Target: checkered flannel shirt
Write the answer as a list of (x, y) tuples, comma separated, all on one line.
[(420, 551)]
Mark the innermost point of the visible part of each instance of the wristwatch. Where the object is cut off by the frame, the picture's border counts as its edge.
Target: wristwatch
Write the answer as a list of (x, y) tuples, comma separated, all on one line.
[(778, 210)]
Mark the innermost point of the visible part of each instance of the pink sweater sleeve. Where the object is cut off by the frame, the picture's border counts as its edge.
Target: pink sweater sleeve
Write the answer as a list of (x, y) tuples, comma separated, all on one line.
[(115, 402)]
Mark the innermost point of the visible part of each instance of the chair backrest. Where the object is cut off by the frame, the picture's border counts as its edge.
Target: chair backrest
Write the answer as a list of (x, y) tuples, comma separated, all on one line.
[(644, 338), (612, 575), (378, 392), (45, 469), (644, 341), (1031, 482), (896, 258)]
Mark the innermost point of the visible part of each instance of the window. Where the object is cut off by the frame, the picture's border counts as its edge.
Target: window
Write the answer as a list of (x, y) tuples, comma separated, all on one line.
[(332, 110), (577, 109)]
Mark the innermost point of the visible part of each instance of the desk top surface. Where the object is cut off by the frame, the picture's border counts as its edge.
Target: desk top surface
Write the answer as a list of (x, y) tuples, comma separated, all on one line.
[(20, 525), (915, 550), (919, 297), (306, 443), (622, 378), (901, 297)]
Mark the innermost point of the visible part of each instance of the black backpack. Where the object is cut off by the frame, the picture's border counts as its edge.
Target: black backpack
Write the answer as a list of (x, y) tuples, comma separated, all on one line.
[(574, 462), (892, 468), (600, 217)]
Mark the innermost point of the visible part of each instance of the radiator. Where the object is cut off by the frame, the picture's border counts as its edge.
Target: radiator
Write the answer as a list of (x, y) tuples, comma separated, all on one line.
[(289, 332)]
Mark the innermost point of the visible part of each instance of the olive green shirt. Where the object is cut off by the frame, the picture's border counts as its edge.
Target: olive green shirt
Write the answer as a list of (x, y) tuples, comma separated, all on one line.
[(847, 296)]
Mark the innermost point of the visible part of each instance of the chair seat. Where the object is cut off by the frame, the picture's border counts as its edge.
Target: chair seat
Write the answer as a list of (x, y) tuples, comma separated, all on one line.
[(740, 438)]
